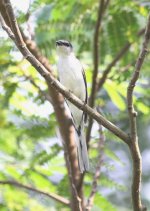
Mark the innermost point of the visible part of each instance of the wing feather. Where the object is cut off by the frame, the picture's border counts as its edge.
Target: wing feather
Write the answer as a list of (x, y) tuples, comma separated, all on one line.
[(86, 96)]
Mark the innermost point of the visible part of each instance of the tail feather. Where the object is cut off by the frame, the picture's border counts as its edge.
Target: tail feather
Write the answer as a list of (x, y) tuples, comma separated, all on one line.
[(82, 151)]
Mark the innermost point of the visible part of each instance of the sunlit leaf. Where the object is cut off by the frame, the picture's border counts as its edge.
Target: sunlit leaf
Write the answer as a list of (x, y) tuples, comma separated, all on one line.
[(115, 96)]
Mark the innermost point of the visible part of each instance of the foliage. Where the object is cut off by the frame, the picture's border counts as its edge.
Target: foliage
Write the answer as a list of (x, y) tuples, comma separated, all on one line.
[(30, 151)]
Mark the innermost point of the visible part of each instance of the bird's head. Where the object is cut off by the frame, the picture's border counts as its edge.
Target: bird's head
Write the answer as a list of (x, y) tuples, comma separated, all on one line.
[(64, 47)]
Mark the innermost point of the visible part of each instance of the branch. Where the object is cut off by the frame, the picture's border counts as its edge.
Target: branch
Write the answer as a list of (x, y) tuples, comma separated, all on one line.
[(96, 50), (4, 13), (7, 29), (134, 147), (126, 68), (135, 76), (57, 85), (101, 10), (50, 195), (98, 170)]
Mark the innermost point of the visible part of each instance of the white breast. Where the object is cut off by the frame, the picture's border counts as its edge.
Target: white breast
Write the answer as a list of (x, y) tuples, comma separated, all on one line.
[(70, 74)]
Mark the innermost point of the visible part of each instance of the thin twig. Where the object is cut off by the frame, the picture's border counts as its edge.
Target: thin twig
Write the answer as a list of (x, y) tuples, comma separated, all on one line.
[(57, 85), (122, 70), (101, 11), (135, 76), (7, 29), (134, 147), (98, 170), (50, 195), (96, 50), (127, 67)]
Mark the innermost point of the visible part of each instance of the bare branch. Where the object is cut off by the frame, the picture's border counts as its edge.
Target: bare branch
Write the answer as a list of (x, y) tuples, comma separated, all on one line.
[(126, 68), (138, 65), (98, 170), (134, 147), (50, 195), (4, 13), (57, 85), (101, 11), (7, 29), (96, 51)]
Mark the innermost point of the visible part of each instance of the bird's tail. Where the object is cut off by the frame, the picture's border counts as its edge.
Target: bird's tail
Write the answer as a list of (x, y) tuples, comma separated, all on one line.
[(82, 150)]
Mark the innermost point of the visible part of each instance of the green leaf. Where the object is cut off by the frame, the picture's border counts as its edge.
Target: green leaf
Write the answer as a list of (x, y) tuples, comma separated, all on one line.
[(112, 155), (107, 182), (115, 96), (102, 204), (143, 108)]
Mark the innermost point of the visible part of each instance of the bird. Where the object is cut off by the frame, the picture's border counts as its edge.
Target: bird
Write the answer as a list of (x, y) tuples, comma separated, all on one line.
[(71, 75)]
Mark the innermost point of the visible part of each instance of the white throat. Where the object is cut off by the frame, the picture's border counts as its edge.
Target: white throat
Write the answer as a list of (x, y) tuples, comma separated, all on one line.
[(64, 51), (65, 55)]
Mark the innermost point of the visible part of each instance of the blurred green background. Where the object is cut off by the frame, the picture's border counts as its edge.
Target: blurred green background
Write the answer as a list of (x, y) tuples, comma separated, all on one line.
[(30, 151)]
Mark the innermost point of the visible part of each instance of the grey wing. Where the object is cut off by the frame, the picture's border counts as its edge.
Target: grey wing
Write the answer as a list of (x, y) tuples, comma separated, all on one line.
[(86, 96)]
